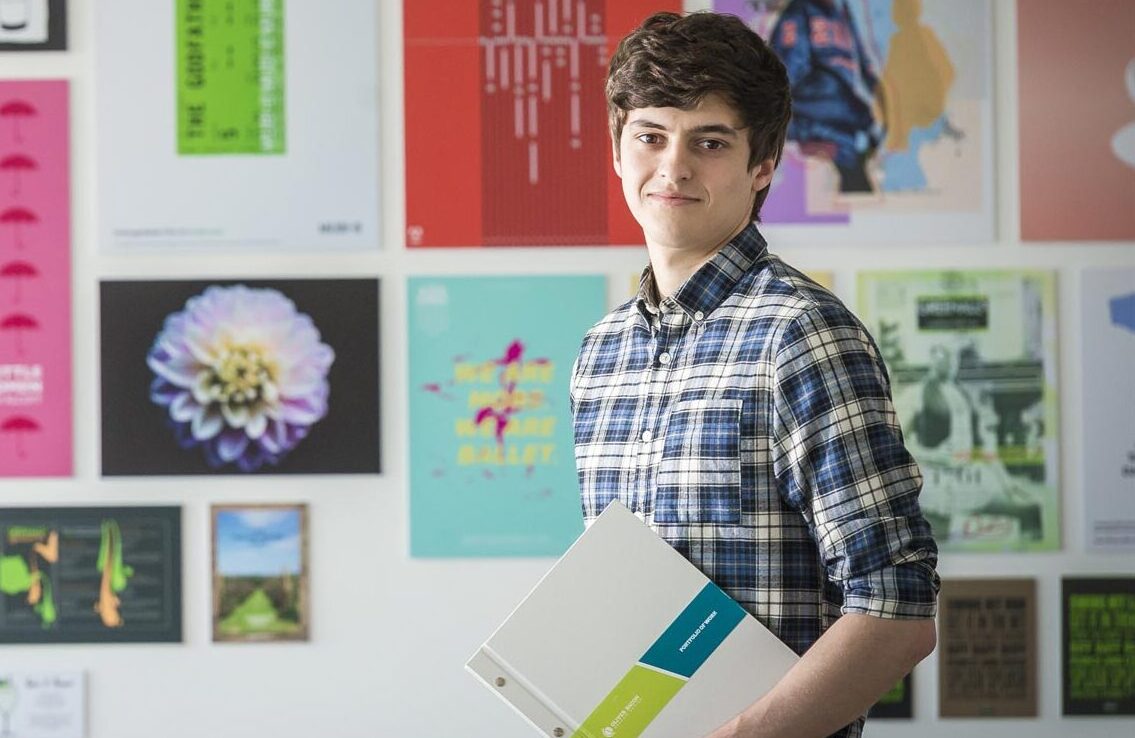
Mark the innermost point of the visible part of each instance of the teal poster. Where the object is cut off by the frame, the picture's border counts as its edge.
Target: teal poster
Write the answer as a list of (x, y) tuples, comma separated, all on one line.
[(492, 468)]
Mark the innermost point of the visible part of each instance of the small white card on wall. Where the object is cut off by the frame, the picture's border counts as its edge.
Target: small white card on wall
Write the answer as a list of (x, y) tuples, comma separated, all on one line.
[(43, 705)]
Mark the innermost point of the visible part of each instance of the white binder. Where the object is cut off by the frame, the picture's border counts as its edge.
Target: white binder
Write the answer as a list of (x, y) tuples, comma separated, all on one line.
[(623, 638)]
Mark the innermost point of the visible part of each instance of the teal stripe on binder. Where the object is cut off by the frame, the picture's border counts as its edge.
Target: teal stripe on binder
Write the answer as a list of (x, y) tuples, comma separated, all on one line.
[(696, 633)]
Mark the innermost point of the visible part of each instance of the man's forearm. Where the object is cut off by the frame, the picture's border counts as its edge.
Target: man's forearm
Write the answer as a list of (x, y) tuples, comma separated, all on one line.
[(845, 672)]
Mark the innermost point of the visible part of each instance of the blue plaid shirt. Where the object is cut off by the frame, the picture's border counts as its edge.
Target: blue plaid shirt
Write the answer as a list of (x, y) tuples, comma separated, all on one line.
[(748, 420)]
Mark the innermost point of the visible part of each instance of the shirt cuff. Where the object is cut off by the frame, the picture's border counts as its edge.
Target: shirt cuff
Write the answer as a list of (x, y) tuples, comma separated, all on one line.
[(903, 591)]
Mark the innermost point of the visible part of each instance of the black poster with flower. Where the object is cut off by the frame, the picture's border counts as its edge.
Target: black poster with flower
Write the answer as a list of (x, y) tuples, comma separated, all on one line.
[(240, 377)]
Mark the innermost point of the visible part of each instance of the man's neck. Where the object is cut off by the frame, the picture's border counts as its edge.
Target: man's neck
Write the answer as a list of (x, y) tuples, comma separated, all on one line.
[(673, 266)]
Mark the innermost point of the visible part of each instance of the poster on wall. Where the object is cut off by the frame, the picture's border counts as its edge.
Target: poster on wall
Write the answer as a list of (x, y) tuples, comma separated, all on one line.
[(35, 279), (972, 360), (260, 573), (1099, 640), (892, 132), (240, 377), (1107, 333), (90, 575), (492, 462), (897, 703), (43, 704), (33, 25), (1077, 159), (261, 126), (523, 81), (987, 644)]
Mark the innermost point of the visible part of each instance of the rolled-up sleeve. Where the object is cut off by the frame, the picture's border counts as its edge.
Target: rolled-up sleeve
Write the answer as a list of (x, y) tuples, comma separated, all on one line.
[(840, 460)]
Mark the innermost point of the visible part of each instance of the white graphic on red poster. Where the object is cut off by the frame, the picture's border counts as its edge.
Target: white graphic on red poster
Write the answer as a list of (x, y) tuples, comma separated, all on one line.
[(35, 280)]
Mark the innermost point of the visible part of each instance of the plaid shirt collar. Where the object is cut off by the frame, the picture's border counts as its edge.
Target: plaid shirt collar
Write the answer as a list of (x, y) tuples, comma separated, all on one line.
[(708, 287)]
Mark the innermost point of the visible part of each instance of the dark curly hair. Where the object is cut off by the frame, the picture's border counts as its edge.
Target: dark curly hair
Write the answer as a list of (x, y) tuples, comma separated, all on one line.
[(674, 61)]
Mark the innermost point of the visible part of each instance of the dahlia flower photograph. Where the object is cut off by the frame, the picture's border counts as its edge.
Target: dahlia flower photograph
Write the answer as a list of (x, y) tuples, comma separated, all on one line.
[(242, 374), (256, 376)]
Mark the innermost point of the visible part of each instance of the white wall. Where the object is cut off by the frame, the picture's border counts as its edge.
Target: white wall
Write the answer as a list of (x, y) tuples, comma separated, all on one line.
[(389, 634)]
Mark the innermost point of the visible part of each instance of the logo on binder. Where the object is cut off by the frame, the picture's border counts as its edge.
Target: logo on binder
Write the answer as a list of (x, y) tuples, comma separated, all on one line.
[(609, 730)]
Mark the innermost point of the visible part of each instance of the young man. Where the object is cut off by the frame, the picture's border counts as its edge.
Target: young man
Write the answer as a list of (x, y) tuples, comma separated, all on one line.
[(739, 408)]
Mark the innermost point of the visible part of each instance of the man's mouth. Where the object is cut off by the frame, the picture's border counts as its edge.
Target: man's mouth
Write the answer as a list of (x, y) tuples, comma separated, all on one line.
[(671, 198)]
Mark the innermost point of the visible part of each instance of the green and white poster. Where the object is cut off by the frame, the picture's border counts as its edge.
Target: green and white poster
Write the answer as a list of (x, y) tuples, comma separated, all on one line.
[(237, 125), (972, 360), (492, 465), (90, 574)]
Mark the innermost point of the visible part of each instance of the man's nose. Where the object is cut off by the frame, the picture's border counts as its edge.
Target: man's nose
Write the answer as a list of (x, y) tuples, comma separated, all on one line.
[(676, 163)]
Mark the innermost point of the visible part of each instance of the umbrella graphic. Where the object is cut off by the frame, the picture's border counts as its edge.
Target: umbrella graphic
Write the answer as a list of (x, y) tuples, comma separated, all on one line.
[(18, 323), (18, 426), (15, 111), (17, 218), (17, 272), (16, 164)]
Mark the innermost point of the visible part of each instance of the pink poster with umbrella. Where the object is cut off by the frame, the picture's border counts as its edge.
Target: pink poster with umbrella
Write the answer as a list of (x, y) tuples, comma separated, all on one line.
[(35, 280)]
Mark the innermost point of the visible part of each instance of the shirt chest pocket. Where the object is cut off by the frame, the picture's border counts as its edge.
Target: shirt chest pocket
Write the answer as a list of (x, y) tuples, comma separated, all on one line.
[(699, 477)]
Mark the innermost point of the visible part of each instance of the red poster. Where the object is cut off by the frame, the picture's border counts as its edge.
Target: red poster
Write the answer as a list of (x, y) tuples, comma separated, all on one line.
[(506, 123), (35, 280), (1077, 120)]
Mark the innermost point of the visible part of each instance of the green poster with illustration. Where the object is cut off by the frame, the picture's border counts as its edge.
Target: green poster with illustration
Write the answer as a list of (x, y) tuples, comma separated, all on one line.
[(230, 77), (492, 461), (972, 360), (90, 575)]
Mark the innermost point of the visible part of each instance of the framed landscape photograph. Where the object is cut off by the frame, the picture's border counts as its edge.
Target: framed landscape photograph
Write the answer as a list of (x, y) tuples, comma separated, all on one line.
[(260, 573)]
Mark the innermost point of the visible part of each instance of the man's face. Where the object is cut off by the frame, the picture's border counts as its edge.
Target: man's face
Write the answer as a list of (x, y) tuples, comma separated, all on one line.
[(686, 174)]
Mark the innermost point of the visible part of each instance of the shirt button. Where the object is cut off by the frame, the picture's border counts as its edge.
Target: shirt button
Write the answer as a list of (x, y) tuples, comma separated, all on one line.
[(699, 315), (664, 358), (646, 436)]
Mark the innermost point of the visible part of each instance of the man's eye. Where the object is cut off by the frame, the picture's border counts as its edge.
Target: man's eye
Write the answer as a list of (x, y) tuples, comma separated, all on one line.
[(648, 138), (712, 144)]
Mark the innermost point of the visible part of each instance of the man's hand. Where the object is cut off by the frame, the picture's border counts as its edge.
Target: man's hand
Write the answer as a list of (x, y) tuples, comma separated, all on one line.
[(845, 672)]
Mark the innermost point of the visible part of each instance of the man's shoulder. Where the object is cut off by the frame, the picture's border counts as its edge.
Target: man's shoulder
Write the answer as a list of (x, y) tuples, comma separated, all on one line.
[(779, 290), (614, 322)]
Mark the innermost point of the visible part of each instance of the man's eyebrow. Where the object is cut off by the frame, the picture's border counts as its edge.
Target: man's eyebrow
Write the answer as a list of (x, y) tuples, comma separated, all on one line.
[(718, 128)]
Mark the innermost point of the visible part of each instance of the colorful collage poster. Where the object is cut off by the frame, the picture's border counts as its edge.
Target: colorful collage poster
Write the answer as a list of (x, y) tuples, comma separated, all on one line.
[(523, 81), (1099, 640), (892, 134), (1077, 165), (260, 573), (90, 575), (972, 360), (987, 648), (492, 461), (1107, 332), (35, 279), (265, 136), (240, 377), (33, 25), (43, 704)]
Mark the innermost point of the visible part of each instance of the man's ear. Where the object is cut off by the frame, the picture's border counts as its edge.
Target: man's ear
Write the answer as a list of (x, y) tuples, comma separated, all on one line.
[(615, 157), (762, 174)]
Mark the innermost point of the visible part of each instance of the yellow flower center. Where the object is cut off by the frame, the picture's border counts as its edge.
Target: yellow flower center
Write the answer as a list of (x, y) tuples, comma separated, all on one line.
[(242, 376)]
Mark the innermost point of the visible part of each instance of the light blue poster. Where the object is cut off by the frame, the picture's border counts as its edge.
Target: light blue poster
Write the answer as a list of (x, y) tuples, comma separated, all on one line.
[(1108, 335), (492, 467)]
